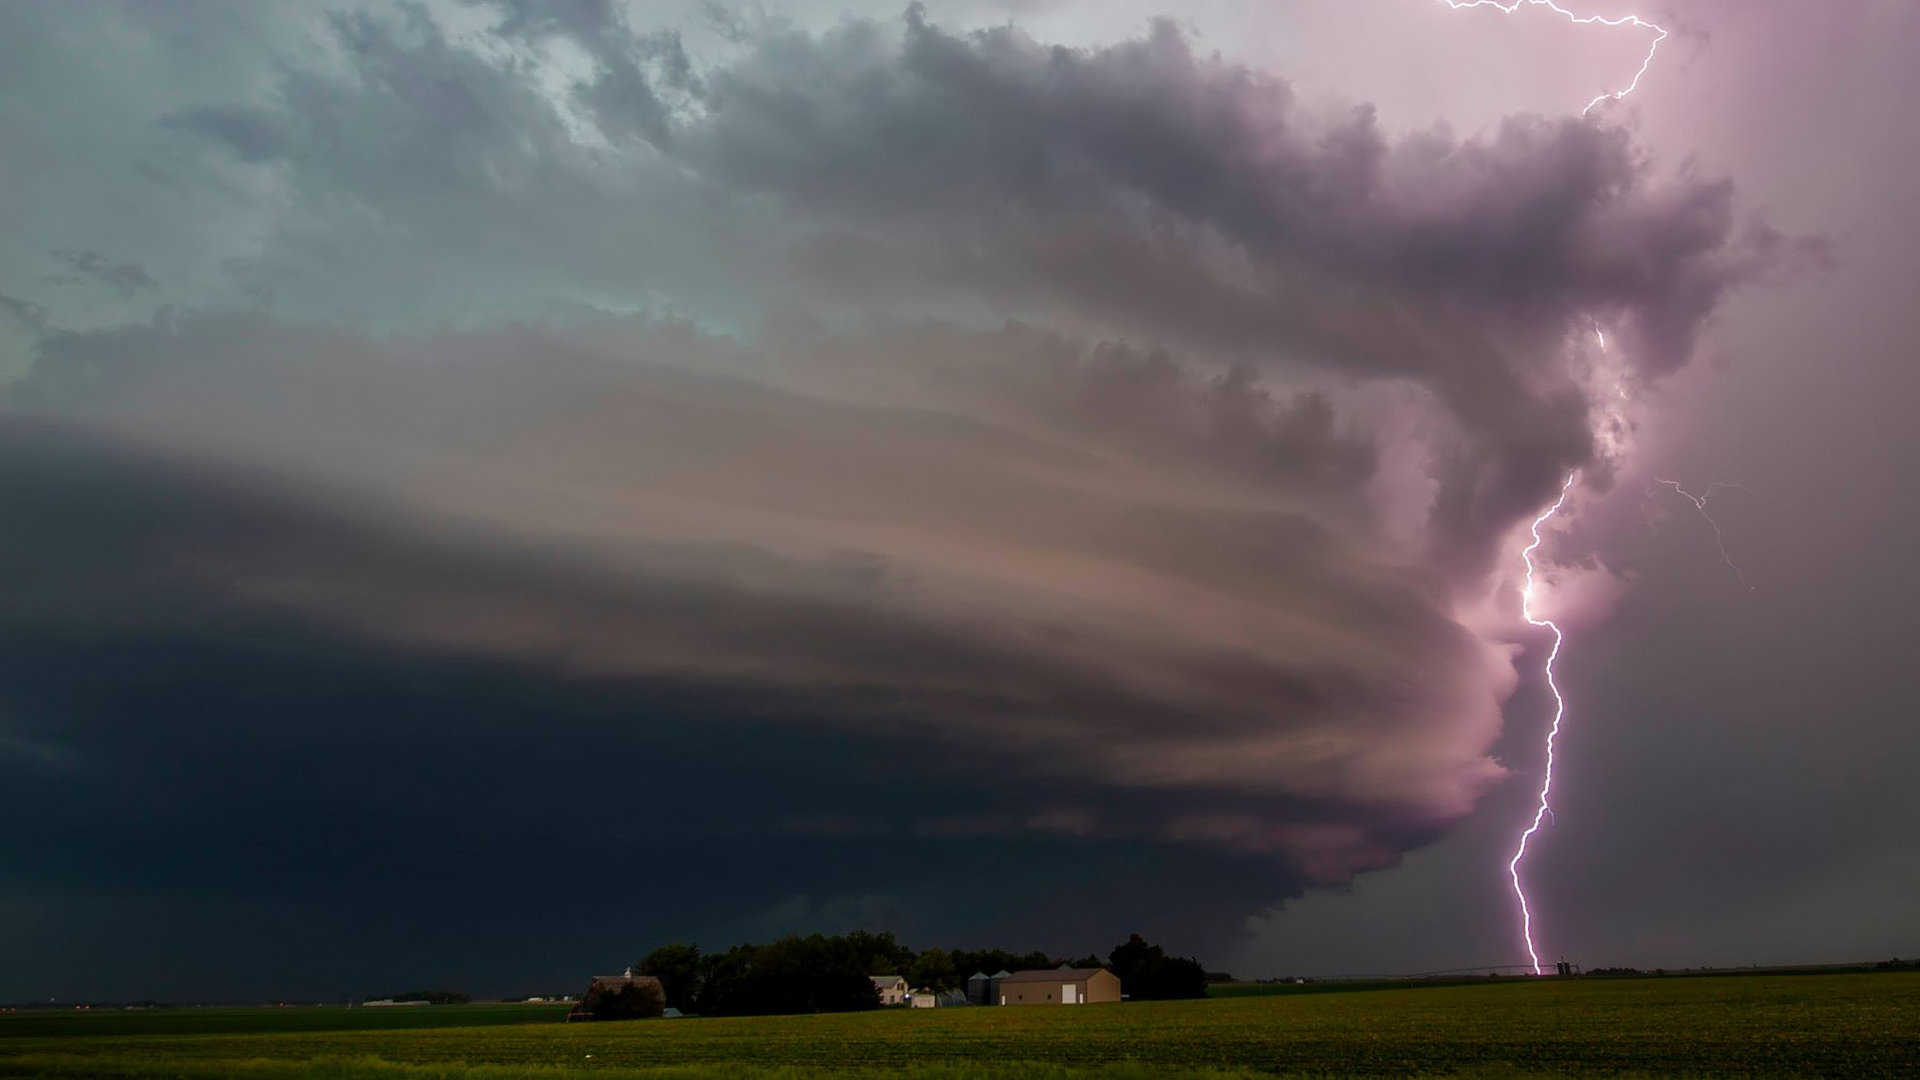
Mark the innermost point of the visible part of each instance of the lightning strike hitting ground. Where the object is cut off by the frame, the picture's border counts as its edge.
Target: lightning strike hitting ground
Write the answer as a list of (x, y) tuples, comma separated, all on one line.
[(1508, 7), (1700, 503), (1553, 732)]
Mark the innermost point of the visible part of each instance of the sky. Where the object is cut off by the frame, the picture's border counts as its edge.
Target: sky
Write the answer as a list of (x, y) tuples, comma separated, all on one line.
[(493, 487)]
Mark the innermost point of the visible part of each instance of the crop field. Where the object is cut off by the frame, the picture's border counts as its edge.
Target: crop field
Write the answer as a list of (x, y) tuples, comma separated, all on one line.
[(1766, 1025), (194, 1020)]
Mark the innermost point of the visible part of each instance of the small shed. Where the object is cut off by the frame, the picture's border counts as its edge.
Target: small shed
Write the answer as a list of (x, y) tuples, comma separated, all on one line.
[(1059, 986)]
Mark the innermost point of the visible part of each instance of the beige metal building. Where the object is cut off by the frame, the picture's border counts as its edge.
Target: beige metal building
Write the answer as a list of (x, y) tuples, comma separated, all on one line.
[(1059, 986)]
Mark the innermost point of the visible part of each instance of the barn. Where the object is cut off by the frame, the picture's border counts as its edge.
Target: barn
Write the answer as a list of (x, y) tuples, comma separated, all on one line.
[(1059, 986), (621, 997)]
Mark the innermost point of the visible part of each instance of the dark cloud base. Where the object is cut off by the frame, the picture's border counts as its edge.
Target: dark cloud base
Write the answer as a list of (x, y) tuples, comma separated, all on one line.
[(314, 786)]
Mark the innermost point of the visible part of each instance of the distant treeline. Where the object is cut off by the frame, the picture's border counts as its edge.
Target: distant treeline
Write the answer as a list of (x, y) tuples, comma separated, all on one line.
[(822, 973), (1894, 964), (432, 997)]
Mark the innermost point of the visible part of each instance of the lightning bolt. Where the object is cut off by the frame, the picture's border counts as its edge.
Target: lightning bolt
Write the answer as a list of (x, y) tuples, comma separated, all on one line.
[(1508, 7), (1700, 503), (1544, 807), (1559, 712)]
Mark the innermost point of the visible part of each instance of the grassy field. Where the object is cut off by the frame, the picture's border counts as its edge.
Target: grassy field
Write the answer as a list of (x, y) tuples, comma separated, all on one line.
[(221, 1021), (1838, 1025)]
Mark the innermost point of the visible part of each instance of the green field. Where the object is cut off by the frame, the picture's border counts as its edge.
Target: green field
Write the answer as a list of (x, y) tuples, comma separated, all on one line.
[(1834, 1025)]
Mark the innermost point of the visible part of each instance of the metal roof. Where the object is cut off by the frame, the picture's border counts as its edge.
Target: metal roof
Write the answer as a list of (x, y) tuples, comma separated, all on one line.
[(1052, 975)]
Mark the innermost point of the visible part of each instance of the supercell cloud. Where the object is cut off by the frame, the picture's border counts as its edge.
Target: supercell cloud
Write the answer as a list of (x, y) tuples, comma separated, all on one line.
[(904, 456)]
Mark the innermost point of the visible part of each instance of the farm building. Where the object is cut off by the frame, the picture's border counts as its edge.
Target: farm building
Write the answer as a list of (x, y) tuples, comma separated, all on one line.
[(621, 997), (891, 988), (1059, 986)]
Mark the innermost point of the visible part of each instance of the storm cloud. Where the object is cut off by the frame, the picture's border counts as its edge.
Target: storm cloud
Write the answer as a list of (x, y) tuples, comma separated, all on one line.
[(1027, 461), (1060, 590), (1139, 189)]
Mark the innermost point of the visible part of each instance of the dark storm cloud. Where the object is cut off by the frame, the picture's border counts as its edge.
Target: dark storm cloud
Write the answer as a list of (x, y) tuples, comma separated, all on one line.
[(201, 731), (1137, 188), (1548, 215), (883, 598), (1186, 198), (1155, 590)]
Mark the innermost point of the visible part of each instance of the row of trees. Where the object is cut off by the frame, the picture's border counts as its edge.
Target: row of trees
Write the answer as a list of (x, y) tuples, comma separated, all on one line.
[(433, 997), (792, 975), (831, 974)]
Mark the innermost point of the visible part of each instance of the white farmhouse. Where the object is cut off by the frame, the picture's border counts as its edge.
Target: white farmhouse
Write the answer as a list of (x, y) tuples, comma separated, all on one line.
[(891, 988)]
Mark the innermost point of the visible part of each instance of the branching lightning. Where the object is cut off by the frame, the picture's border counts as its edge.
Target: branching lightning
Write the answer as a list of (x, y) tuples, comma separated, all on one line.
[(1510, 6), (1700, 503), (1559, 711), (1544, 807)]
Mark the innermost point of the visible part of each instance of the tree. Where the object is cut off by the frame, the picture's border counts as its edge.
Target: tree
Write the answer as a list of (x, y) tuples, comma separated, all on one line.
[(1148, 973), (1134, 956), (722, 984), (988, 961), (677, 966), (881, 954), (934, 970), (792, 975)]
